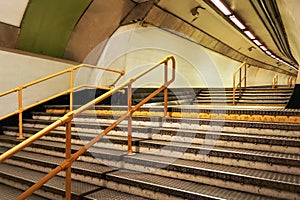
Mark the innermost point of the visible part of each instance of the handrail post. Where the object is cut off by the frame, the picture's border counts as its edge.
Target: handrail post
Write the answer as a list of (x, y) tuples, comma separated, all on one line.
[(233, 90), (20, 104), (240, 84), (275, 81), (245, 74), (129, 119), (71, 89), (68, 155), (166, 90)]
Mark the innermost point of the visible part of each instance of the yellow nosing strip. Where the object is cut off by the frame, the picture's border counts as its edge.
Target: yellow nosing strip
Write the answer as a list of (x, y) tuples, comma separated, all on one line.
[(195, 115)]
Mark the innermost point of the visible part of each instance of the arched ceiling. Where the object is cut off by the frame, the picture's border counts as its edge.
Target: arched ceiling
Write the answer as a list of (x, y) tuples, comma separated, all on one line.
[(70, 29)]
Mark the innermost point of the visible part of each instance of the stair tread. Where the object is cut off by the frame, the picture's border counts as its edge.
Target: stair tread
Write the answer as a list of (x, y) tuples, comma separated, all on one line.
[(56, 182), (227, 133), (9, 193), (197, 149), (210, 148), (181, 132), (163, 161), (107, 194), (195, 189), (218, 168), (159, 129), (220, 122), (191, 190)]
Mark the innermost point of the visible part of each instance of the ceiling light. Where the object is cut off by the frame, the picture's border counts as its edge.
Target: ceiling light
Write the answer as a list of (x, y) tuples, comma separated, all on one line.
[(237, 22), (268, 52), (273, 56), (257, 42), (263, 48), (249, 34), (223, 8)]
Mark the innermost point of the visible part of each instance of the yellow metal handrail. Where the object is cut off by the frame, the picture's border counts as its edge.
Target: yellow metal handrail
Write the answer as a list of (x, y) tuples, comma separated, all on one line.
[(275, 81), (290, 81), (241, 79), (20, 89), (67, 119)]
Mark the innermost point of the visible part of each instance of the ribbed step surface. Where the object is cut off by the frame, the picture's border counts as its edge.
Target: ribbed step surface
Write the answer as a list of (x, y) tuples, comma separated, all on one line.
[(176, 157), (249, 96), (175, 186), (9, 193), (180, 188), (56, 184)]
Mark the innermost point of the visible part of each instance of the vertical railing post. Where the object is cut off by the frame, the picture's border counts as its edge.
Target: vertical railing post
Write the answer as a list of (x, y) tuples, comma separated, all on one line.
[(68, 141), (129, 120), (233, 90), (245, 75), (240, 84), (71, 89), (166, 90), (20, 105), (68, 155)]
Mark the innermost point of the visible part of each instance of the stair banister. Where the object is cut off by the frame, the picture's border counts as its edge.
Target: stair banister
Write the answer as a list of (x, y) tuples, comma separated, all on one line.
[(67, 119), (275, 81), (20, 89), (241, 79)]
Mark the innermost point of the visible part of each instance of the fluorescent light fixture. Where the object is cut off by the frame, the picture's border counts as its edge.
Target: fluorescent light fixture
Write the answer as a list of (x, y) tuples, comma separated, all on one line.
[(263, 48), (221, 7), (268, 52), (249, 34), (294, 68), (237, 22), (257, 42), (273, 56)]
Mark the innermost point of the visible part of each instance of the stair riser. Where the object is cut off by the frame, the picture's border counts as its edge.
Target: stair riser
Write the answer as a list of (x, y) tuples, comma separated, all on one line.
[(24, 185), (193, 154), (263, 187), (240, 186), (197, 138)]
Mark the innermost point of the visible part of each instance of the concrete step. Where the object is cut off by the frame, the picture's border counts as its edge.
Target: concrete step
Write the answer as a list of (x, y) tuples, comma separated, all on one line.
[(208, 152), (143, 182)]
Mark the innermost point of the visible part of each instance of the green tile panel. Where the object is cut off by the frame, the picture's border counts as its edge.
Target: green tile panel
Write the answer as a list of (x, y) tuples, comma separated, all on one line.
[(47, 25)]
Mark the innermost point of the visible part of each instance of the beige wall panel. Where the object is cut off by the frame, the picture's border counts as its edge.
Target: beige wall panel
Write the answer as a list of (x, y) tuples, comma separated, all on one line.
[(17, 69), (12, 11), (98, 23)]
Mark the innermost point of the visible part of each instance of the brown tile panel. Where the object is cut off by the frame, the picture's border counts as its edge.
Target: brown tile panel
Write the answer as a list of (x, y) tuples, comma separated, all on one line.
[(98, 23), (8, 35)]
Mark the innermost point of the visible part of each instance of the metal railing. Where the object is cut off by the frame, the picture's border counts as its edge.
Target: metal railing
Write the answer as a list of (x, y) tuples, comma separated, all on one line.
[(291, 81), (70, 70), (67, 119), (241, 79), (275, 81)]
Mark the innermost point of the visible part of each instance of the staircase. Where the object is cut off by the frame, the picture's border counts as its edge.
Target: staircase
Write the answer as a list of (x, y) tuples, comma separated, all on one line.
[(176, 96), (256, 96), (195, 153)]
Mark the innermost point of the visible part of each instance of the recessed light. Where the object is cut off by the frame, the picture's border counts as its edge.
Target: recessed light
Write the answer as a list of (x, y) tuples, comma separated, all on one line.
[(237, 22), (257, 42), (250, 35), (222, 7)]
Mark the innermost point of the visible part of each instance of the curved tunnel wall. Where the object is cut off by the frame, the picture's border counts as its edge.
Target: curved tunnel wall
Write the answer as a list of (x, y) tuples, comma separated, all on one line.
[(132, 48)]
